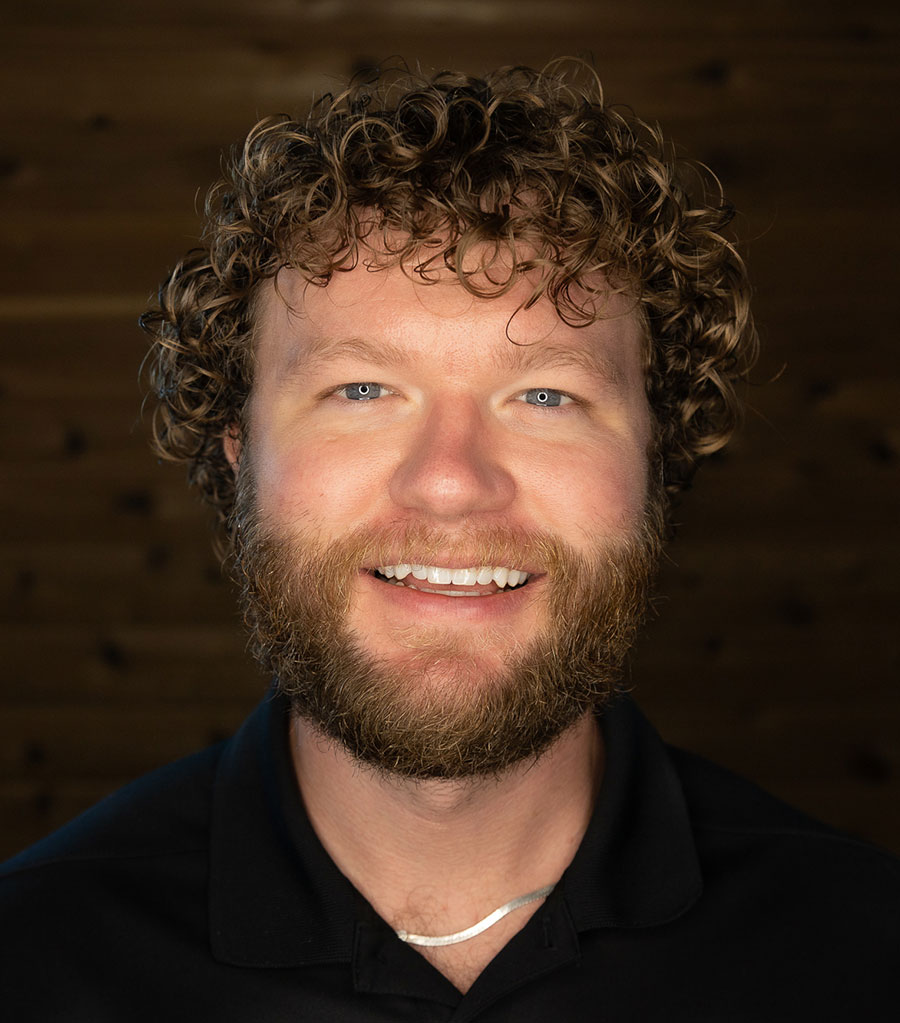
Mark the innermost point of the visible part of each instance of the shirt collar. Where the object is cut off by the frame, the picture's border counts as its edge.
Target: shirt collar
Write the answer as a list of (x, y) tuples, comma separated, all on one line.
[(276, 899), (637, 865)]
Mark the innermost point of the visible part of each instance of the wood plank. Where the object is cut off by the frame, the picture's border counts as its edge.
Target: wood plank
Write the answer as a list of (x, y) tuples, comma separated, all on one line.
[(777, 647)]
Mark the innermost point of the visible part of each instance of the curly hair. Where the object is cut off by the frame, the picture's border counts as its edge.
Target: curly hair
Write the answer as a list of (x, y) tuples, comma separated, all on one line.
[(530, 166)]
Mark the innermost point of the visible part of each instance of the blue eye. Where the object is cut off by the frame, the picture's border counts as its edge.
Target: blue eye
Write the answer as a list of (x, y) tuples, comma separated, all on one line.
[(361, 392), (545, 397)]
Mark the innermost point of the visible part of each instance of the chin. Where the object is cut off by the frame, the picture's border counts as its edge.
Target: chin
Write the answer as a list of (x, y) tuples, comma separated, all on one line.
[(469, 659)]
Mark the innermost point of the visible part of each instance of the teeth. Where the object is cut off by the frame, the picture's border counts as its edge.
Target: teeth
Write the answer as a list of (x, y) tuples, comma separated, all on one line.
[(447, 593), (481, 576), (464, 576)]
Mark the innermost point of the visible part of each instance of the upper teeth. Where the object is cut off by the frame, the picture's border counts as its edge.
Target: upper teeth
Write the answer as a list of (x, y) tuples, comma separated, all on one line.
[(456, 576)]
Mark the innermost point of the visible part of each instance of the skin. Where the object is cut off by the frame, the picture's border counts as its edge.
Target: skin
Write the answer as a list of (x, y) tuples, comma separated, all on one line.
[(454, 443)]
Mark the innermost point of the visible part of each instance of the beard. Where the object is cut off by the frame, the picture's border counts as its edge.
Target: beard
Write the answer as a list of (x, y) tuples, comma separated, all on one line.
[(440, 708)]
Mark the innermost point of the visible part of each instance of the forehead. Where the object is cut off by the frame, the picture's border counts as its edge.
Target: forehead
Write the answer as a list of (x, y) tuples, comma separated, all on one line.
[(390, 315)]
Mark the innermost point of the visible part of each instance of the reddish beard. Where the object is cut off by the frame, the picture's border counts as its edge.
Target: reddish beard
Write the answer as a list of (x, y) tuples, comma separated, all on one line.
[(413, 718)]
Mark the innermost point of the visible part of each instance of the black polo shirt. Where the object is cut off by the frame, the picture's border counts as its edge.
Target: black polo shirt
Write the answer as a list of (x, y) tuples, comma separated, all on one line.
[(202, 893)]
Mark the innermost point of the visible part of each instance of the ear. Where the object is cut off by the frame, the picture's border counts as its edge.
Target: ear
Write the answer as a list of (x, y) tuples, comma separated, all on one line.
[(231, 444)]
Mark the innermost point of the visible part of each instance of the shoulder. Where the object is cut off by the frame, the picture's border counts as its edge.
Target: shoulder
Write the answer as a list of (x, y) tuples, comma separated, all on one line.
[(719, 799), (769, 850), (164, 812), (119, 887)]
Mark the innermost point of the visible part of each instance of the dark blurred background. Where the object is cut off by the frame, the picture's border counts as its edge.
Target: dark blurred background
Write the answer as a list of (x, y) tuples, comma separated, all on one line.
[(776, 652)]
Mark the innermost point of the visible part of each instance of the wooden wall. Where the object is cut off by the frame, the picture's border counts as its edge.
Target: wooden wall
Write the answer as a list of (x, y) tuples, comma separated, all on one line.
[(776, 651)]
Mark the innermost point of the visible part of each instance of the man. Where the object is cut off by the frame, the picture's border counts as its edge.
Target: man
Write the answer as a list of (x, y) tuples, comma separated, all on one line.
[(449, 350)]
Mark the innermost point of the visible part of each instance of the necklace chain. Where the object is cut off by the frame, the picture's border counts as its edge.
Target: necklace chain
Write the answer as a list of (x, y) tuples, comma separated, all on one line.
[(437, 940)]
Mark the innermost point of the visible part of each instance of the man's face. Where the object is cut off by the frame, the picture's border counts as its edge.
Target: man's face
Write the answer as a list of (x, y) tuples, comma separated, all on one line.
[(440, 498)]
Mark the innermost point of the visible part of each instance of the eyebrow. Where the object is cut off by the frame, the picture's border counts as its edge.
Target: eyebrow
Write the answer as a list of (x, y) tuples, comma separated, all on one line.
[(309, 355), (513, 358), (539, 355)]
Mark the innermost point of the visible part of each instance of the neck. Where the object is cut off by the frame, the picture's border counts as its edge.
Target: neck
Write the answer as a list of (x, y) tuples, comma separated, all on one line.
[(434, 856)]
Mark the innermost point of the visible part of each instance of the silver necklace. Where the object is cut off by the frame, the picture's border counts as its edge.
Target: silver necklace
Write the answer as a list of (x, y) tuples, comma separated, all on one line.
[(436, 940)]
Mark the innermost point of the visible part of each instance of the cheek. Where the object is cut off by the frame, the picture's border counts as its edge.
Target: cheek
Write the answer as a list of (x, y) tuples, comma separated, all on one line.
[(592, 490), (329, 481)]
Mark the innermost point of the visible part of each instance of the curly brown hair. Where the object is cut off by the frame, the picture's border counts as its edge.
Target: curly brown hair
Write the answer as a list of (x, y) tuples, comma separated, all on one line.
[(536, 165)]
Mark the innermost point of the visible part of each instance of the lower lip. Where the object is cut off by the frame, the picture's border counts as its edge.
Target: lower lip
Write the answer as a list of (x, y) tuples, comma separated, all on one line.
[(439, 606)]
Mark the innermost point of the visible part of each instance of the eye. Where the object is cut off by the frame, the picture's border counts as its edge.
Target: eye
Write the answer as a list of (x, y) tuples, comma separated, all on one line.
[(546, 397), (361, 392)]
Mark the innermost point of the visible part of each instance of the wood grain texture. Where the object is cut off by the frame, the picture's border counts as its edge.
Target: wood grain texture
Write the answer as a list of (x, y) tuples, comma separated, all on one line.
[(776, 648)]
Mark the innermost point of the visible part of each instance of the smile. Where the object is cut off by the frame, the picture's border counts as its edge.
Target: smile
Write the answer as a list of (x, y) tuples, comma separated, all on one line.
[(489, 579)]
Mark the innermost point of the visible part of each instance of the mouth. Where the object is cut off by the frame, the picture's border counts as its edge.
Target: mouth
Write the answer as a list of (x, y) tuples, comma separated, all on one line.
[(477, 581)]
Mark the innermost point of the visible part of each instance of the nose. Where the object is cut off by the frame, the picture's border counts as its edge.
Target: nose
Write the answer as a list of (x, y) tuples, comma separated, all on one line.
[(452, 468)]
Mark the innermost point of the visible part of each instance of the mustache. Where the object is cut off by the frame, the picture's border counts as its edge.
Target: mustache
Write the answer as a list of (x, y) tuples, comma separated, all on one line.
[(367, 547)]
